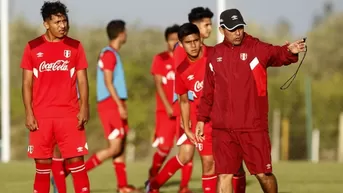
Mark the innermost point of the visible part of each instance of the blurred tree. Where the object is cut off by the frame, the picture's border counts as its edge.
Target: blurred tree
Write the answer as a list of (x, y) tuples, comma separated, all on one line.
[(328, 8), (283, 29)]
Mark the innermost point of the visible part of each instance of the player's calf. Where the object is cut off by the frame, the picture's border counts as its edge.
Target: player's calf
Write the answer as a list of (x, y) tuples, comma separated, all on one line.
[(115, 148), (58, 175), (209, 179), (42, 177), (239, 181), (268, 182), (78, 171), (157, 160), (225, 183)]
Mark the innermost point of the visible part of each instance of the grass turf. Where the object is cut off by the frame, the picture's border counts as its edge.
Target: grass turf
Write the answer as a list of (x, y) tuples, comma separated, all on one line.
[(293, 177)]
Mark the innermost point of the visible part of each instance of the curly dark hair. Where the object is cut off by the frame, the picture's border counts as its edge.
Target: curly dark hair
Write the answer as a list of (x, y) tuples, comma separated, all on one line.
[(53, 8), (199, 13)]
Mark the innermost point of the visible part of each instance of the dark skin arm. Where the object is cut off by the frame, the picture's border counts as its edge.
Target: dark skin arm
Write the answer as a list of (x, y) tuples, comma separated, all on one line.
[(82, 81)]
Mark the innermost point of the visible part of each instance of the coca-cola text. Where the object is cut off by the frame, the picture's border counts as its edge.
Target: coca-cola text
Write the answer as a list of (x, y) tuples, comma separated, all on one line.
[(59, 65)]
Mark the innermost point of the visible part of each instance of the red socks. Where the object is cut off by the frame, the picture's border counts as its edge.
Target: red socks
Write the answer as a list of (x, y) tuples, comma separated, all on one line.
[(239, 183), (120, 169), (157, 161), (59, 174), (80, 177), (209, 183), (92, 162), (186, 174), (166, 173), (42, 178)]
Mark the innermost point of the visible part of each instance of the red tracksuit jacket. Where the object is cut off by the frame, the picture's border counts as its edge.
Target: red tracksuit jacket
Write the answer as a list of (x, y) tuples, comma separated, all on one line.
[(235, 86)]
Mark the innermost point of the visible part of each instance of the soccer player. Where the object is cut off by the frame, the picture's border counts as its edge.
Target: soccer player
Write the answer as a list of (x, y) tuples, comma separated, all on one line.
[(235, 94), (53, 63), (58, 167), (112, 110), (163, 71), (189, 77), (202, 18)]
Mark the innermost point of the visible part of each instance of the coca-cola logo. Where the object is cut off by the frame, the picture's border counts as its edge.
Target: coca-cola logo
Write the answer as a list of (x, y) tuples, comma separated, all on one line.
[(59, 65), (198, 86)]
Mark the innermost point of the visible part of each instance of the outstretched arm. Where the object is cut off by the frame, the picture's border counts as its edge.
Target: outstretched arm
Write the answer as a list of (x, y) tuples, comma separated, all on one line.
[(276, 56)]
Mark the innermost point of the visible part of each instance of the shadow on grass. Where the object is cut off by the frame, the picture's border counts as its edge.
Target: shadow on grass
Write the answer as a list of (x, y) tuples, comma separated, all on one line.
[(109, 190), (194, 190), (173, 185), (103, 190)]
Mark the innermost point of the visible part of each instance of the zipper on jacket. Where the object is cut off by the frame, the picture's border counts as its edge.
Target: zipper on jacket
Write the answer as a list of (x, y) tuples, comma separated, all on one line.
[(231, 76)]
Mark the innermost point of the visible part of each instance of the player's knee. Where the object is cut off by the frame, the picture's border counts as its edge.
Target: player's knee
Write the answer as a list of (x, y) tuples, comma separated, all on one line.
[(164, 149), (185, 158), (225, 181), (43, 161), (186, 153), (207, 165), (113, 151), (264, 176), (75, 159)]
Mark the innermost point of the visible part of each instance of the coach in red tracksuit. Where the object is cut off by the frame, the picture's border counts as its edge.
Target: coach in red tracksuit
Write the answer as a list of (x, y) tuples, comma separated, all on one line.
[(235, 95)]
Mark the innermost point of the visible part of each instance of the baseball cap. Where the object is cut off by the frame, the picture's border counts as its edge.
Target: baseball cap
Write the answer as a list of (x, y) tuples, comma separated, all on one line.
[(231, 18)]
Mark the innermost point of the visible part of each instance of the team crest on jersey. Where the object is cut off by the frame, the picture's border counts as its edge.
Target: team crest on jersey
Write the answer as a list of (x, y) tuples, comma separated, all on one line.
[(168, 66), (244, 56), (67, 53)]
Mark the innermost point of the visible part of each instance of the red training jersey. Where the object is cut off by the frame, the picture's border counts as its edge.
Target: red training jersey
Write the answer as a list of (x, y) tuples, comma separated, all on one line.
[(190, 76), (179, 55), (54, 66), (163, 65)]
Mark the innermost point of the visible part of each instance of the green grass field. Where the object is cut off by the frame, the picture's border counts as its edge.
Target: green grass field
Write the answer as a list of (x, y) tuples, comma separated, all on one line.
[(293, 177)]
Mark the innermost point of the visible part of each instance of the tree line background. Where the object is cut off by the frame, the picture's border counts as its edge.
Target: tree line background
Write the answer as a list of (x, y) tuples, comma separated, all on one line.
[(323, 63)]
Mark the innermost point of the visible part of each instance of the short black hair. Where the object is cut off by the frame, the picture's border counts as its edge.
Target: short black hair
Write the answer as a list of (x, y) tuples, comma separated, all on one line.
[(53, 8), (186, 30), (114, 28), (199, 13), (170, 30)]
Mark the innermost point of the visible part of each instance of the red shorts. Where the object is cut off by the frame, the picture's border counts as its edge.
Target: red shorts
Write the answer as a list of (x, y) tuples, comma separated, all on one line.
[(114, 126), (64, 132), (230, 148), (165, 130), (204, 148)]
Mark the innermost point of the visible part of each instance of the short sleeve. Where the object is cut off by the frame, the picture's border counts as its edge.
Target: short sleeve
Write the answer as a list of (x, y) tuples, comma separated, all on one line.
[(179, 55), (26, 61), (180, 87), (108, 61), (81, 60), (156, 67)]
